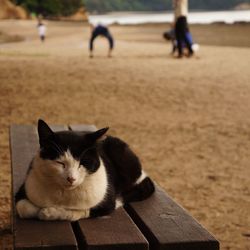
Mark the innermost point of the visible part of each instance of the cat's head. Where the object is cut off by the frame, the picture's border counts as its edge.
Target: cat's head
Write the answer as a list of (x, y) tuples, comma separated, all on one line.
[(68, 156)]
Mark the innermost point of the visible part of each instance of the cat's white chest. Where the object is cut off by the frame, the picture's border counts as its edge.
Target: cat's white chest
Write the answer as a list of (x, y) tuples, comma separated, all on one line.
[(87, 195)]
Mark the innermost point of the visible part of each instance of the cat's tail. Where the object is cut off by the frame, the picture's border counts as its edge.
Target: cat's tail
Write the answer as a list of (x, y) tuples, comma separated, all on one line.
[(141, 190)]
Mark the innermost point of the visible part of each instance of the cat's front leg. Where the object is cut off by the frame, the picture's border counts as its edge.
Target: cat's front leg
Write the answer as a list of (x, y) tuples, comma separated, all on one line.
[(26, 209), (58, 213)]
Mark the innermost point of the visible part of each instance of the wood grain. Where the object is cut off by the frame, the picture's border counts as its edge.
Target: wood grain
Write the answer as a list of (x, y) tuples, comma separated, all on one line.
[(166, 225), (116, 231), (34, 234), (87, 128), (162, 222)]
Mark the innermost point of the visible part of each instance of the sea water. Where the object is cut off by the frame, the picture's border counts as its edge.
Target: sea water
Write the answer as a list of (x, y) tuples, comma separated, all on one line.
[(167, 17)]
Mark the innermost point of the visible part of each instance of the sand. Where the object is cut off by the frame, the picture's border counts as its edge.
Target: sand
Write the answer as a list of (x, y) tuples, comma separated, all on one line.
[(188, 120)]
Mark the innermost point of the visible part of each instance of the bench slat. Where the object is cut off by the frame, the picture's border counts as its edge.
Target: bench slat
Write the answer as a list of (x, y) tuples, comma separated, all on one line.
[(168, 226), (24, 144), (163, 222), (115, 232), (87, 128), (34, 234)]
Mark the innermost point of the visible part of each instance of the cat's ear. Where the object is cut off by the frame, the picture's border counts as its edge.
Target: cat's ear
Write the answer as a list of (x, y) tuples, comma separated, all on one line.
[(99, 135), (45, 133)]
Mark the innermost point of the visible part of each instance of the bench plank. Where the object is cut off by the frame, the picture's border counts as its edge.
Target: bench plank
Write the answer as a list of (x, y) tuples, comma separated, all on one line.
[(34, 234), (168, 226), (115, 232), (163, 222), (87, 128), (23, 146)]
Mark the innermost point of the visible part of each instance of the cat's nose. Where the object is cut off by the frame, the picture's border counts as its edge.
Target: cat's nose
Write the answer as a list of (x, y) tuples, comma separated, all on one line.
[(71, 180)]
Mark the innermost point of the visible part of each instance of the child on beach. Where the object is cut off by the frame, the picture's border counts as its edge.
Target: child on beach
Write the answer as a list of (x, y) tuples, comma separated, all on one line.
[(41, 30), (100, 30)]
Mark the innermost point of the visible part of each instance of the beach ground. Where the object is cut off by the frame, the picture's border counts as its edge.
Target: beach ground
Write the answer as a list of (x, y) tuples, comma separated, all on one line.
[(188, 120)]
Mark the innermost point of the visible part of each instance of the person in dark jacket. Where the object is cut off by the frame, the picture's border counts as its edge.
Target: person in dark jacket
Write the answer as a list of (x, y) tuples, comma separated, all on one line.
[(170, 36), (101, 30), (181, 26)]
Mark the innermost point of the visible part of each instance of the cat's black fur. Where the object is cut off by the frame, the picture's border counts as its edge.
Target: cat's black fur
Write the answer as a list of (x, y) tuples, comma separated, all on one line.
[(122, 165)]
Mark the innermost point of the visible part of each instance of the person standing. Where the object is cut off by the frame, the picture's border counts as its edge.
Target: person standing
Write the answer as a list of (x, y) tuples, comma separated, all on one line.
[(41, 30), (181, 26)]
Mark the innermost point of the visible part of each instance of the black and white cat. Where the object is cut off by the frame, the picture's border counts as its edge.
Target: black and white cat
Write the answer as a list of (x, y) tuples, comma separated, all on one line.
[(80, 175)]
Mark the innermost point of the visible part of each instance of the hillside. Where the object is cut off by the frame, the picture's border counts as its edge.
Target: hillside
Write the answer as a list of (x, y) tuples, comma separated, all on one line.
[(76, 8), (9, 10), (23, 10), (158, 5)]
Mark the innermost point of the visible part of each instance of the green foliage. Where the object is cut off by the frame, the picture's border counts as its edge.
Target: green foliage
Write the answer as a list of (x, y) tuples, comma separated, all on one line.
[(127, 5), (51, 7), (157, 5), (67, 7), (215, 4), (70, 6)]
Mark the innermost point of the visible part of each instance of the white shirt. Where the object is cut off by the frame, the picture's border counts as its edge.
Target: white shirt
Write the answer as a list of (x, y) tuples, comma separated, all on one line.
[(42, 30), (180, 8)]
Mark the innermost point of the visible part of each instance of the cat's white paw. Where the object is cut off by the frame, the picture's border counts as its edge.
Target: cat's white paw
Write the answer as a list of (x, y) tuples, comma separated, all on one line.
[(77, 215), (26, 209), (85, 214), (49, 213), (57, 213)]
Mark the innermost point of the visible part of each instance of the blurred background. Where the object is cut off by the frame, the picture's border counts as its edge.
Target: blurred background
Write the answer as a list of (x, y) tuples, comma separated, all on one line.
[(186, 119)]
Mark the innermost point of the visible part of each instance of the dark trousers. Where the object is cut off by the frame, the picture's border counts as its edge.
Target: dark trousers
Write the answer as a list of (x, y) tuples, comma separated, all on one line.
[(101, 31), (181, 27), (42, 37)]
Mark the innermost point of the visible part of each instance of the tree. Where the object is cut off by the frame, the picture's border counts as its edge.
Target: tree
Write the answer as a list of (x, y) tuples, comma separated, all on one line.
[(67, 7), (157, 5), (51, 7)]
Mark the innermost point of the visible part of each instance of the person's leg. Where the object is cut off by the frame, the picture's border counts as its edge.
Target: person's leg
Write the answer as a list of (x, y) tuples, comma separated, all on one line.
[(179, 35), (189, 46), (111, 43), (91, 43), (174, 46), (187, 38)]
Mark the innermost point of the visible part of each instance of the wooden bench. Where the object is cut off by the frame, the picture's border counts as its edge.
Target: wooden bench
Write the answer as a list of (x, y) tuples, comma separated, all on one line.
[(156, 223)]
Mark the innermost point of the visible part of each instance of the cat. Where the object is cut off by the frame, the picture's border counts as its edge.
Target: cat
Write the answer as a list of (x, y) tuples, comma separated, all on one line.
[(79, 175)]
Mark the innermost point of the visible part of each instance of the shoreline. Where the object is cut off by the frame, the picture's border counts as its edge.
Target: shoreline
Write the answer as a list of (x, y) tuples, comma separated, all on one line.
[(125, 13), (202, 17), (169, 23), (216, 34)]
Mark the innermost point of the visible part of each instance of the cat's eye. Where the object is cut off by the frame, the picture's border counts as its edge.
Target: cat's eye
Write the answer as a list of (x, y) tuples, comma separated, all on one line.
[(61, 163)]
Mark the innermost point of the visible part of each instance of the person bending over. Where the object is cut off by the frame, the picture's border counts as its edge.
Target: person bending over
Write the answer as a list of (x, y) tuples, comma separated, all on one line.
[(103, 31)]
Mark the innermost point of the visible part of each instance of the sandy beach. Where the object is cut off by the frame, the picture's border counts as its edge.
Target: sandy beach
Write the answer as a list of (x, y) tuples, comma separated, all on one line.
[(188, 120)]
